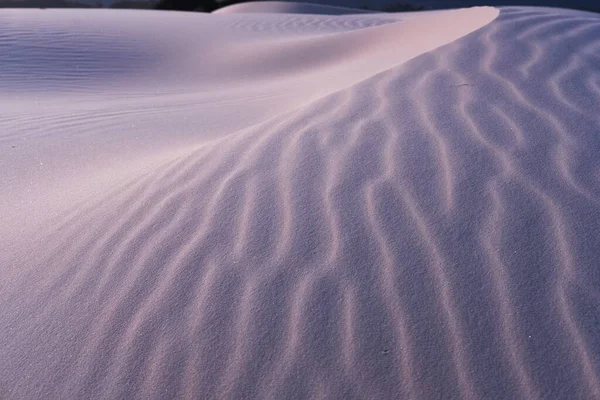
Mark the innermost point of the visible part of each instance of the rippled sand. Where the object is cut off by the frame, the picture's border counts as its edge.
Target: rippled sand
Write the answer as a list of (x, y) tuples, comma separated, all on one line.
[(271, 203)]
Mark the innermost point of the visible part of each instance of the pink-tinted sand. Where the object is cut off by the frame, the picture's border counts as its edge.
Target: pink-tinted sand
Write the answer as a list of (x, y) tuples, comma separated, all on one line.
[(290, 202)]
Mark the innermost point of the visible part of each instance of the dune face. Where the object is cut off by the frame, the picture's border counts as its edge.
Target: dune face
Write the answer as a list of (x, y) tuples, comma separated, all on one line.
[(249, 205)]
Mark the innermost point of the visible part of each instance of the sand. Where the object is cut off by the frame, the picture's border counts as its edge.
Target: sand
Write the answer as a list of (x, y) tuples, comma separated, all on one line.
[(297, 202)]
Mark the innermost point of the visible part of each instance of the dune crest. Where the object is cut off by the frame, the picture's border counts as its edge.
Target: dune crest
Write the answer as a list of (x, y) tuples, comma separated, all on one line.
[(284, 7), (421, 226)]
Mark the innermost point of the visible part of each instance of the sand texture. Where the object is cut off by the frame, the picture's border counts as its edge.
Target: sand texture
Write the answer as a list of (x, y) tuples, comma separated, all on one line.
[(293, 203)]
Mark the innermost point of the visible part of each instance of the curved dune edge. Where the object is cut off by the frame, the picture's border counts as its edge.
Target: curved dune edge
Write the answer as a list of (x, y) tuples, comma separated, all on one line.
[(289, 8), (427, 232)]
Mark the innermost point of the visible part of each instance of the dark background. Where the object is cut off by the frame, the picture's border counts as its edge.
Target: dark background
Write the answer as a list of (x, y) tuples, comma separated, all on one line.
[(376, 5)]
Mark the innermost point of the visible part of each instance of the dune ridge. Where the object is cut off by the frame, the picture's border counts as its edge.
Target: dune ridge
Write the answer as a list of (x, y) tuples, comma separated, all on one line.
[(270, 7), (429, 231)]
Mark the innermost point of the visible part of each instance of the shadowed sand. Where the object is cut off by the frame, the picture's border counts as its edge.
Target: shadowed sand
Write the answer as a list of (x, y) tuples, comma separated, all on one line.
[(365, 206)]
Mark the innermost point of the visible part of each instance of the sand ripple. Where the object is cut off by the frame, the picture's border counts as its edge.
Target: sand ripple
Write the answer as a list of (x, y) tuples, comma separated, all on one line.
[(429, 232)]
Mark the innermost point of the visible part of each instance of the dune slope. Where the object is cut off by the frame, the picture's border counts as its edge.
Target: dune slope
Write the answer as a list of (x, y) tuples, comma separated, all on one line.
[(285, 7), (374, 206)]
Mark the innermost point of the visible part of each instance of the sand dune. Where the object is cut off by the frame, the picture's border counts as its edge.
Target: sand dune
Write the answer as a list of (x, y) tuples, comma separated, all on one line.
[(278, 7), (365, 206)]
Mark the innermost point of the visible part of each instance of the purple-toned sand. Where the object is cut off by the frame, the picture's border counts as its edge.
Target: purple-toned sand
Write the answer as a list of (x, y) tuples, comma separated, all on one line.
[(282, 201)]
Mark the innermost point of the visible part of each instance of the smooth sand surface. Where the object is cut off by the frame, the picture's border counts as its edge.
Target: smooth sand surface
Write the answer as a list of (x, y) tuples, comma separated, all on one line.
[(256, 204), (286, 7)]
